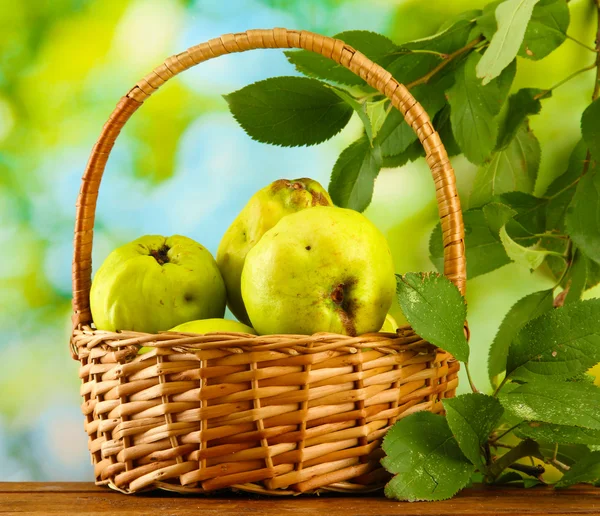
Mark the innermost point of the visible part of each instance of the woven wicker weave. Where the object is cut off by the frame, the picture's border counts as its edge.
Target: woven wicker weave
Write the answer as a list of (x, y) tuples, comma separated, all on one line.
[(277, 414)]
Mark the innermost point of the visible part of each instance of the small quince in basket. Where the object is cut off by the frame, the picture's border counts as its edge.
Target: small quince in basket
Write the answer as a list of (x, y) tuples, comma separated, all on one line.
[(207, 326), (155, 283), (389, 325), (263, 211), (324, 269), (214, 325)]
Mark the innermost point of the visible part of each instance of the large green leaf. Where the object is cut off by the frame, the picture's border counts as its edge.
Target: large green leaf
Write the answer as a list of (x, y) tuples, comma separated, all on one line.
[(590, 127), (425, 458), (512, 17), (289, 111), (471, 418), (521, 105), (436, 310), (586, 470), (545, 31), (475, 108), (559, 344), (523, 311), (376, 47), (560, 403), (395, 134), (484, 250), (561, 434), (354, 174), (583, 216), (416, 58), (514, 168)]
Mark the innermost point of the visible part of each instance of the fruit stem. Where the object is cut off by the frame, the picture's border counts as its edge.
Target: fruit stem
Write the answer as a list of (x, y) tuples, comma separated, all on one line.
[(338, 294), (161, 255)]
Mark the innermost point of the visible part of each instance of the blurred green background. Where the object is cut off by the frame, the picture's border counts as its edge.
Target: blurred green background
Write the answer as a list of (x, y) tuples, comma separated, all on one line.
[(182, 165)]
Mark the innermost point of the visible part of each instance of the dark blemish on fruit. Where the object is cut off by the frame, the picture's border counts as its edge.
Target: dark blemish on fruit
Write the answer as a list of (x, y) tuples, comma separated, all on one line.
[(188, 297), (161, 255), (308, 248), (161, 302)]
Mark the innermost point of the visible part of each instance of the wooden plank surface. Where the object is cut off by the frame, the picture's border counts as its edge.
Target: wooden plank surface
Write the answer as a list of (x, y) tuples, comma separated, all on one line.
[(85, 499)]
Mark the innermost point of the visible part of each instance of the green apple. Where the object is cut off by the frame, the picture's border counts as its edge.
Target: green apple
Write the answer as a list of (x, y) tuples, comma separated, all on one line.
[(263, 211), (324, 269), (155, 283), (389, 325), (213, 325)]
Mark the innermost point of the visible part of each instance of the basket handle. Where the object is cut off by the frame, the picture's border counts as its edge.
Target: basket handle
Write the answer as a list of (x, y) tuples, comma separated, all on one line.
[(335, 49)]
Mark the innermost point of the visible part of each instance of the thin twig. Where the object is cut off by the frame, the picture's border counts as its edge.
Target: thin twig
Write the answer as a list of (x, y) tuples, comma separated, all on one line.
[(542, 94), (473, 388), (581, 43), (425, 79)]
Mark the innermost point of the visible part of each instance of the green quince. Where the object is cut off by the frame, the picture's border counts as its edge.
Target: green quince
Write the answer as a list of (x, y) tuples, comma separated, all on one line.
[(325, 269), (154, 283), (263, 211)]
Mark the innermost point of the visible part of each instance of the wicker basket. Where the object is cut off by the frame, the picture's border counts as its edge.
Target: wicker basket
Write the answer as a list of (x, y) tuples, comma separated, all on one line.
[(276, 414)]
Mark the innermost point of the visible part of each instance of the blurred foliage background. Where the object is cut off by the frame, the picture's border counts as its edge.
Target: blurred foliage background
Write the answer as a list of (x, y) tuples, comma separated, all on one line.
[(183, 165)]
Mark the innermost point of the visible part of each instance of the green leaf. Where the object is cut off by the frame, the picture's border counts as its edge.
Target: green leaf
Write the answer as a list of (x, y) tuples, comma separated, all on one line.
[(523, 311), (568, 454), (587, 470), (413, 152), (547, 29), (436, 310), (561, 434), (497, 216), (579, 276), (521, 105), (593, 277), (376, 47), (475, 107), (395, 134), (484, 251), (574, 170), (412, 64), (590, 127), (471, 418), (561, 403), (562, 189), (583, 215), (530, 210), (289, 111), (425, 458), (513, 168), (559, 344), (443, 126), (354, 173), (359, 107), (530, 257), (512, 17)]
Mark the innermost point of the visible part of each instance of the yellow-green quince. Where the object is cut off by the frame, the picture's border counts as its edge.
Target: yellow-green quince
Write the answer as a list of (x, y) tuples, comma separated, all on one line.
[(154, 283), (324, 269)]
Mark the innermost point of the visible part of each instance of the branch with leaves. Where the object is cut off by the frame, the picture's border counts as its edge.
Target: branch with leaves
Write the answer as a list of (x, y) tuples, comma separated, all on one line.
[(545, 409)]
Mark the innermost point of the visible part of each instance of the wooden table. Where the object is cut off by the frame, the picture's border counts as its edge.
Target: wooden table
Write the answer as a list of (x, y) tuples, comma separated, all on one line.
[(85, 499)]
